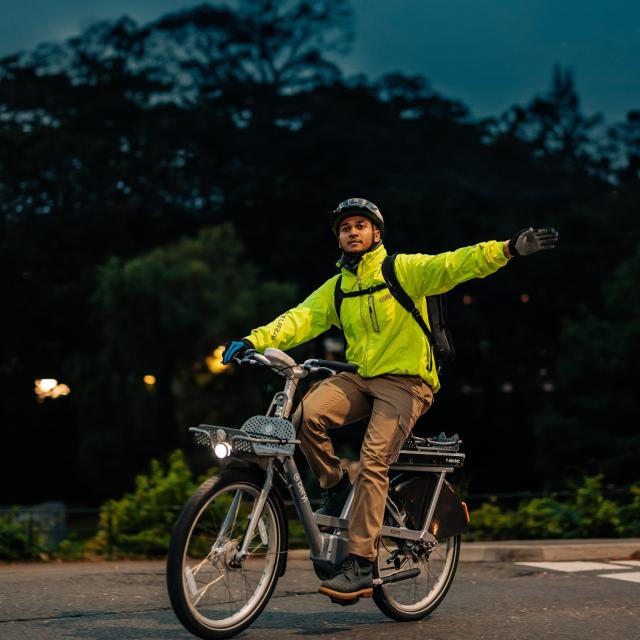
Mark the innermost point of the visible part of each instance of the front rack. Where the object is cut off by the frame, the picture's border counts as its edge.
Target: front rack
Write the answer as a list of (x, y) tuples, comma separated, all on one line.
[(261, 436)]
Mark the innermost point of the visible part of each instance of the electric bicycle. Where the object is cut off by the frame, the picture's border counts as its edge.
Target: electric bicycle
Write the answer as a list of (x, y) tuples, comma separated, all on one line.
[(229, 545)]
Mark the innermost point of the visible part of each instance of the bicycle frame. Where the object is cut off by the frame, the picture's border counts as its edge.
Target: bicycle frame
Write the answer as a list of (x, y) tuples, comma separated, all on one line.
[(329, 549)]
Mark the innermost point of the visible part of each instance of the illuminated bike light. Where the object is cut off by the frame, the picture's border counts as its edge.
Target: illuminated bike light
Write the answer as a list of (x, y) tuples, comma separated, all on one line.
[(222, 449)]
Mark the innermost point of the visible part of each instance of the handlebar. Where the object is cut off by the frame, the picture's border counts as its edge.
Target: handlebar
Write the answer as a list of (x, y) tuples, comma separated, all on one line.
[(331, 364), (313, 365)]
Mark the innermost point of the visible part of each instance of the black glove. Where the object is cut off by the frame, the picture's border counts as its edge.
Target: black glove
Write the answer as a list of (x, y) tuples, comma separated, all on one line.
[(528, 241), (235, 349)]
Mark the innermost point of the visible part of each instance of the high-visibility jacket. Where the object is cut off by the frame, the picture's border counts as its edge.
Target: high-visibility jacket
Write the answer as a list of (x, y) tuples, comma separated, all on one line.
[(381, 336)]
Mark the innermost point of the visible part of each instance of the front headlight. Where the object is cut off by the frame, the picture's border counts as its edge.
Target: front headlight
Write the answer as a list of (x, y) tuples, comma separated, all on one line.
[(222, 449)]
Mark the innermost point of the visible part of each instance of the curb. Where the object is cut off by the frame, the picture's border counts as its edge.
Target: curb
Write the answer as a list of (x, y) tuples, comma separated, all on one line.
[(550, 550), (536, 550)]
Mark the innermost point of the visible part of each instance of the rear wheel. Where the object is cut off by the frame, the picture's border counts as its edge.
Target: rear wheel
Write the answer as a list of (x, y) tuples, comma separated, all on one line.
[(214, 593), (434, 568)]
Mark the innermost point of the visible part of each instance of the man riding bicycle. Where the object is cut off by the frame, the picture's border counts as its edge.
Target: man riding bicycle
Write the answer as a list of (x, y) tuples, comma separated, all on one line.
[(396, 377)]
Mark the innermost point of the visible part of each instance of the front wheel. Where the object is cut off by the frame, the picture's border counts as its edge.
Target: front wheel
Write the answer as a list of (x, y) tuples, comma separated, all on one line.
[(214, 593)]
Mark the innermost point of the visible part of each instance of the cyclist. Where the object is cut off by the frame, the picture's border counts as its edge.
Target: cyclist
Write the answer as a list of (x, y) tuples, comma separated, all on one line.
[(396, 379)]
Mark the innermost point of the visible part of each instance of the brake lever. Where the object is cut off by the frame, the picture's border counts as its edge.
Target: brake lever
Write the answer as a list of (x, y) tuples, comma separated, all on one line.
[(322, 369), (251, 356)]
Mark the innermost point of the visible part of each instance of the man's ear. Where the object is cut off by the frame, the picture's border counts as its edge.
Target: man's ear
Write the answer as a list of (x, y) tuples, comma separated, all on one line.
[(376, 234)]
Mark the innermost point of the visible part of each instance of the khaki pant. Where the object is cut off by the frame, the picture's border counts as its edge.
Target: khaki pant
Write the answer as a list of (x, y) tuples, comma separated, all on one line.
[(394, 403)]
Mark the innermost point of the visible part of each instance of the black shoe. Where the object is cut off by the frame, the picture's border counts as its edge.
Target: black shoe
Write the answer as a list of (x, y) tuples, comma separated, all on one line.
[(354, 581), (335, 497)]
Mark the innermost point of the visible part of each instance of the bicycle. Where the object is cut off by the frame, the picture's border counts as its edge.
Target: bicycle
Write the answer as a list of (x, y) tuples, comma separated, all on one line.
[(229, 545)]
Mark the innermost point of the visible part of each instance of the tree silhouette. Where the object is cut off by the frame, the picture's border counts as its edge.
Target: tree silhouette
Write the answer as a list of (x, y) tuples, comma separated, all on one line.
[(552, 125), (121, 142), (625, 138), (594, 413)]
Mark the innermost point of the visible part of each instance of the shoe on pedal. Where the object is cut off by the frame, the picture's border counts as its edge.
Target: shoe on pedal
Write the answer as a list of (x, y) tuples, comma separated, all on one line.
[(335, 497), (354, 581)]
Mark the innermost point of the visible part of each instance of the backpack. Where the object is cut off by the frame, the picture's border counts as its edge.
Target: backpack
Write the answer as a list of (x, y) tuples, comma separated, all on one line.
[(439, 336)]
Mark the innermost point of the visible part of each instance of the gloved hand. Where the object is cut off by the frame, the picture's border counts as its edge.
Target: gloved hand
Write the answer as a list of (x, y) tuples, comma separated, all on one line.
[(528, 241), (235, 349)]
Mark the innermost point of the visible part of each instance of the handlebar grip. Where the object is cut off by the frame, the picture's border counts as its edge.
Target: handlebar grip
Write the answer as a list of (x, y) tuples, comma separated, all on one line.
[(334, 365)]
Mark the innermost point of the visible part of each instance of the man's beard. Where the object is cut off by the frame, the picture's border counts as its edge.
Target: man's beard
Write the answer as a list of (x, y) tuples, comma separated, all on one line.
[(351, 259)]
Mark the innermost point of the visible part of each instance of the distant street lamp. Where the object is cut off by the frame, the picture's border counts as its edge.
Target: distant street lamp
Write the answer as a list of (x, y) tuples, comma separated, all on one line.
[(50, 388), (47, 384), (214, 361), (149, 380)]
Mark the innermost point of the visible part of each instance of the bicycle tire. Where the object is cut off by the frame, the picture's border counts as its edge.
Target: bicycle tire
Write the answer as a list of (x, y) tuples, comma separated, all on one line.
[(388, 597), (194, 532)]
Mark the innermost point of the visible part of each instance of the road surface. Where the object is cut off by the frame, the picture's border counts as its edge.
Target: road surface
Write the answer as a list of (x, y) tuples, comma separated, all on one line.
[(504, 600)]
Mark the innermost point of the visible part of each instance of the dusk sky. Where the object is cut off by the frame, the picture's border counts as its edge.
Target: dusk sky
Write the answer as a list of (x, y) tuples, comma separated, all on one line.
[(490, 54)]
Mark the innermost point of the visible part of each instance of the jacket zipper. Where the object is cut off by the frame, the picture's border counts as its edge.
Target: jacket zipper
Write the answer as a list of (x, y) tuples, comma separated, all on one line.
[(366, 333), (372, 312)]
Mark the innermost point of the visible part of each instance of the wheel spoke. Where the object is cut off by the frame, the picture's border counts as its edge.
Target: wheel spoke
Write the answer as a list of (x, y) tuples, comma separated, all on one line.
[(223, 591), (205, 589)]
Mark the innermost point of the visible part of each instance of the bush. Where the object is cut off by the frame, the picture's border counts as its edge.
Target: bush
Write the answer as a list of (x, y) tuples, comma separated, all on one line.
[(139, 524), (586, 514), (16, 541), (596, 516), (630, 513)]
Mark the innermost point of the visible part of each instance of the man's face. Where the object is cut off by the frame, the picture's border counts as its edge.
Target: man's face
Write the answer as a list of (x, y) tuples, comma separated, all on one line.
[(357, 234)]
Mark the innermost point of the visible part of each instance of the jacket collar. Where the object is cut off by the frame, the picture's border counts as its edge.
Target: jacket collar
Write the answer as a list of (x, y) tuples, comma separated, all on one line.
[(369, 263)]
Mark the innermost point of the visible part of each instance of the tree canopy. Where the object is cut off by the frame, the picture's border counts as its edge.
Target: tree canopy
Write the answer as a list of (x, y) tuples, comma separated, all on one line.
[(158, 180)]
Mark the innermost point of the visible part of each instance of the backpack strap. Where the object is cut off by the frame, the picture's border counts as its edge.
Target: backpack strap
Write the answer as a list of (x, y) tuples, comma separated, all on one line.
[(339, 294), (404, 299)]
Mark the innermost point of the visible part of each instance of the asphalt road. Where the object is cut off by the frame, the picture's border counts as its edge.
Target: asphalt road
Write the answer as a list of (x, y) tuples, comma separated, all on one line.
[(487, 600)]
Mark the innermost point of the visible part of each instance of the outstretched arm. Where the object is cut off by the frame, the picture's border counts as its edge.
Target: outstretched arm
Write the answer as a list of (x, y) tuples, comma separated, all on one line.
[(426, 275)]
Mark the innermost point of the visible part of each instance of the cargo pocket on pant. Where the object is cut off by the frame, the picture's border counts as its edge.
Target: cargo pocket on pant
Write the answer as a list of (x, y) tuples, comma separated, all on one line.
[(402, 434)]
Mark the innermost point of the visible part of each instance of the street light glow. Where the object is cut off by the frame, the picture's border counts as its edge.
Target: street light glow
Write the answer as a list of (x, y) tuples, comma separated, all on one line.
[(214, 361), (47, 384), (50, 388), (149, 380)]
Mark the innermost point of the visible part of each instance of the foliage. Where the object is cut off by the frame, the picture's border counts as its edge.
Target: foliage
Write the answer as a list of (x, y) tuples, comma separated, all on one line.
[(594, 413), (553, 125), (129, 147), (139, 523), (162, 313), (16, 541), (586, 514), (630, 513)]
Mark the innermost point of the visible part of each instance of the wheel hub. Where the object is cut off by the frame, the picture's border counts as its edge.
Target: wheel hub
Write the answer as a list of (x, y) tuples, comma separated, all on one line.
[(225, 555)]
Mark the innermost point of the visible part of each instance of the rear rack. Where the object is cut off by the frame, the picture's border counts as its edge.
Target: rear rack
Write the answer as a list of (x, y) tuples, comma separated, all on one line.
[(430, 454)]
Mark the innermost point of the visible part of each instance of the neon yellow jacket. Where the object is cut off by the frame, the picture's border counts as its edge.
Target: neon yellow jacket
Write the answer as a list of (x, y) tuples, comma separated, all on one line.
[(381, 336)]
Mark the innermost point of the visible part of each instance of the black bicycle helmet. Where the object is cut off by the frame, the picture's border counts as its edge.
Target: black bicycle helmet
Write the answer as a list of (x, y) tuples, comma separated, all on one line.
[(353, 206)]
